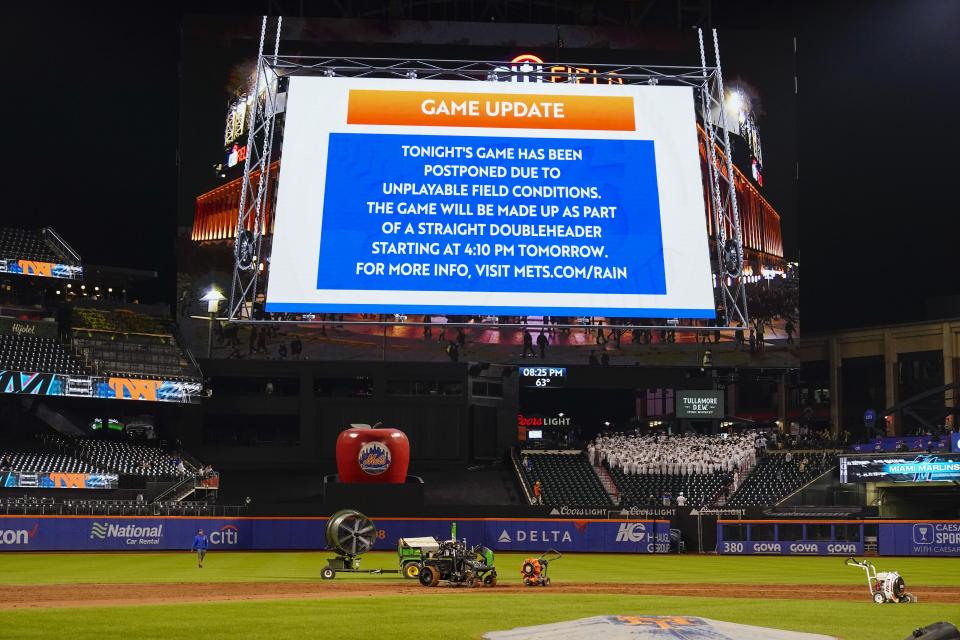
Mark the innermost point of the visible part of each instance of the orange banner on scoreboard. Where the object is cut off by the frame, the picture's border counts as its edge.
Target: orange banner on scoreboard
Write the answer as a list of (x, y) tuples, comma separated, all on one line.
[(493, 110)]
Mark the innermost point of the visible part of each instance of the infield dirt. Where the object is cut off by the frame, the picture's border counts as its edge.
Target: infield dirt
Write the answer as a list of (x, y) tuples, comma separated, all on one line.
[(101, 595)]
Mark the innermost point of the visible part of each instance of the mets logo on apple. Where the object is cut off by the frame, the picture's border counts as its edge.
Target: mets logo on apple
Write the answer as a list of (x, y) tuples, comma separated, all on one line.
[(374, 458)]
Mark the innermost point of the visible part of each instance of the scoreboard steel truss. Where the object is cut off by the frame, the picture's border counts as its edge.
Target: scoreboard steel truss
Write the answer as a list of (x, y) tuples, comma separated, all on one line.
[(250, 275)]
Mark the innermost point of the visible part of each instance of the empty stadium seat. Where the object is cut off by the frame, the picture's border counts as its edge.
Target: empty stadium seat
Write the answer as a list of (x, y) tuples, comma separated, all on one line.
[(56, 453), (135, 358), (38, 462), (774, 478), (127, 458), (34, 354), (119, 321), (565, 479), (130, 343), (698, 489), (32, 244)]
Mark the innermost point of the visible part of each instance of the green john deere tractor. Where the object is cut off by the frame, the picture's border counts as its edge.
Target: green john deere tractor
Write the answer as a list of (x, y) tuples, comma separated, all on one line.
[(457, 564)]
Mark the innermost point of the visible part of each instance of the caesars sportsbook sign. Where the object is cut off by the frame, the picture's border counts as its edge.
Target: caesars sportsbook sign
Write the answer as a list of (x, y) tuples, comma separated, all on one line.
[(470, 197)]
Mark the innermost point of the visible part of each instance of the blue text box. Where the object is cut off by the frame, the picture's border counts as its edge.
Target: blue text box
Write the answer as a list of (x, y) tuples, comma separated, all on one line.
[(626, 258)]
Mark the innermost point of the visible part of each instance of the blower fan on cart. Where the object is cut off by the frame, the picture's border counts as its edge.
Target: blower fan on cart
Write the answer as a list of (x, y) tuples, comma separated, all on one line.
[(349, 534), (534, 570), (885, 586)]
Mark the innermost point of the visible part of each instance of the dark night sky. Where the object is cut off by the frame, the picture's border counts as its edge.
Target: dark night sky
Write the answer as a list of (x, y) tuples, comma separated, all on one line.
[(94, 135)]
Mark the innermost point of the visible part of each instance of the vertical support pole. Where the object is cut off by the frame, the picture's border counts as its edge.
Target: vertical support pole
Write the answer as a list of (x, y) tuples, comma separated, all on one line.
[(732, 210), (210, 322), (237, 288), (716, 199), (949, 374), (782, 403), (890, 383), (833, 350)]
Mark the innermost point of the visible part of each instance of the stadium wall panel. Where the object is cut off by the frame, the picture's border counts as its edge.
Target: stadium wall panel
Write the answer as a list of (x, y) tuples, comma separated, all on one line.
[(134, 533), (935, 538)]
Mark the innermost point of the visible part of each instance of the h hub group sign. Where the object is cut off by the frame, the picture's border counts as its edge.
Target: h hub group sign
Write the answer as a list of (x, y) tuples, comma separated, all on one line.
[(443, 196)]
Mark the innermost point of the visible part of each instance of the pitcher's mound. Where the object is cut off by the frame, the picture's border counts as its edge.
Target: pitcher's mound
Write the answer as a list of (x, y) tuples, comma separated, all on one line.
[(636, 627)]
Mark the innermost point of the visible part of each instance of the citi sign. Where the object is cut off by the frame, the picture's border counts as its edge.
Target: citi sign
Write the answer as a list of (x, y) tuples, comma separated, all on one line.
[(227, 535)]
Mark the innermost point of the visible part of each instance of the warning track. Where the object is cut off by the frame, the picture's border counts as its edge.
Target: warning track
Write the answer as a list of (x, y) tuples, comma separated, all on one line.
[(82, 595)]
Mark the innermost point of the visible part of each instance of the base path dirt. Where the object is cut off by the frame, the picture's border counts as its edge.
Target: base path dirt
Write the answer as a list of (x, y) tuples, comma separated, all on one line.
[(80, 595)]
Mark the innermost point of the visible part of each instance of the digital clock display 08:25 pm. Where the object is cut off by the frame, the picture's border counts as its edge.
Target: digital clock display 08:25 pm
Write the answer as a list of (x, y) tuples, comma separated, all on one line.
[(543, 377)]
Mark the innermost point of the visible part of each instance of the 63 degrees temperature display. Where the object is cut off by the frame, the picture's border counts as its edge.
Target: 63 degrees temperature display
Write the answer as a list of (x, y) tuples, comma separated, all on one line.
[(543, 377)]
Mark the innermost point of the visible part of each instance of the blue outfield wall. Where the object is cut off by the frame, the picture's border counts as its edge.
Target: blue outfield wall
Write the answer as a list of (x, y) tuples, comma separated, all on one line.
[(935, 538), (940, 538), (804, 548), (102, 533)]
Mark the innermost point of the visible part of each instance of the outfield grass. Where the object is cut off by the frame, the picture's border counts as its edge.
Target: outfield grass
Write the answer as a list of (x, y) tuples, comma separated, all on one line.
[(236, 566), (430, 616)]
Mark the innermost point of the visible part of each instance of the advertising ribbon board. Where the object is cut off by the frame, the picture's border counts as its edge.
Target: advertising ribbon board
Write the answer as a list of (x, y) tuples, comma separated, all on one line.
[(81, 533)]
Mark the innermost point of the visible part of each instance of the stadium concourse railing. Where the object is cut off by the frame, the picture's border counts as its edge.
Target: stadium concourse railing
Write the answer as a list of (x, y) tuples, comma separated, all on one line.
[(188, 486), (609, 484), (34, 506), (519, 476), (61, 245)]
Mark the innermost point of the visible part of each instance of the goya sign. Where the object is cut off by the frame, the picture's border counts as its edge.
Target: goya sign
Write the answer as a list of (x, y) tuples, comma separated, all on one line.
[(803, 548)]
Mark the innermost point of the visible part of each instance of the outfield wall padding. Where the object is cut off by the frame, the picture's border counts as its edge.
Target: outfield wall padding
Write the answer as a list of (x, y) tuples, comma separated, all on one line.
[(935, 538), (135, 533)]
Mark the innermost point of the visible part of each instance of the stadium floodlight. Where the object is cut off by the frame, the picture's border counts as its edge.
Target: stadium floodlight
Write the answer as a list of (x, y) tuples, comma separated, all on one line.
[(735, 100), (213, 298)]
